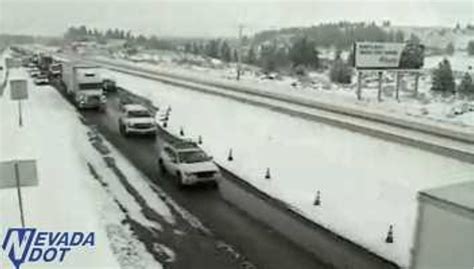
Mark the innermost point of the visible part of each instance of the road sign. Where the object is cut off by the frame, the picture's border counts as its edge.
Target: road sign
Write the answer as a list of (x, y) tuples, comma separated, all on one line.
[(12, 63), (18, 89), (26, 171), (387, 55)]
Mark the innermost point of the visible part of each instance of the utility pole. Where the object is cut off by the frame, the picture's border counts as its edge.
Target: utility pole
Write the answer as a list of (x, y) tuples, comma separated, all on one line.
[(239, 58)]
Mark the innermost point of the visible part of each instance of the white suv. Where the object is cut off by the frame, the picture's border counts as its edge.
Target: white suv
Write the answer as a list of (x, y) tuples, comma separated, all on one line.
[(189, 163), (136, 119)]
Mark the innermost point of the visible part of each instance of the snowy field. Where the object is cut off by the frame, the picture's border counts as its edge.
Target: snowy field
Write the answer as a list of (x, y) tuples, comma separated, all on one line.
[(366, 184), (428, 106), (69, 197)]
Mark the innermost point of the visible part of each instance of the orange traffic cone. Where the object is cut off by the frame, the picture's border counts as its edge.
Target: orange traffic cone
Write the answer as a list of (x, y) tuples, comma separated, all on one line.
[(267, 174), (389, 238), (317, 201)]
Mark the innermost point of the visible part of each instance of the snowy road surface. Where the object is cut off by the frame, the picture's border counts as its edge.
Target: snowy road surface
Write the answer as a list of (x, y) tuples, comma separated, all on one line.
[(366, 184), (249, 239)]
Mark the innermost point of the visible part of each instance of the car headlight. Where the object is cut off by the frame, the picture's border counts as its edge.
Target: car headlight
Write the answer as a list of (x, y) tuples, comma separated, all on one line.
[(103, 99), (82, 98)]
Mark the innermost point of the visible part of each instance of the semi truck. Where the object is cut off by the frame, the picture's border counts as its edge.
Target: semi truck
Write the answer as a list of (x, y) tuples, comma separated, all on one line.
[(84, 85), (44, 61), (55, 70)]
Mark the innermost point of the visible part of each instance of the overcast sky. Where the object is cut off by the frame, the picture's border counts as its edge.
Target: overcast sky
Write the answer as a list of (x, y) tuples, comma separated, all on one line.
[(220, 18)]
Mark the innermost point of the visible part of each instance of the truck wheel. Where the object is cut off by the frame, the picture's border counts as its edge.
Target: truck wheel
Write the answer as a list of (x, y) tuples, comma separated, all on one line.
[(179, 179), (161, 166)]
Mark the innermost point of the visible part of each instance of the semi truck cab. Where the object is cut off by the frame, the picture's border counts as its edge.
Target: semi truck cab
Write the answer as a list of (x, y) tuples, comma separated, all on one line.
[(89, 92), (84, 85)]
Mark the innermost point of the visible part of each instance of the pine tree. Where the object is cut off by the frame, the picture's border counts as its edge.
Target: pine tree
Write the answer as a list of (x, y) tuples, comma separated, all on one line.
[(212, 49), (303, 52), (466, 87), (225, 52), (470, 47), (251, 57), (443, 79), (450, 48), (340, 72)]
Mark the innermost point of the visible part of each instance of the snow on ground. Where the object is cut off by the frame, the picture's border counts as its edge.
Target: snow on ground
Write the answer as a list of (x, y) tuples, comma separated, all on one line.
[(68, 198), (460, 61), (427, 106), (366, 184), (61, 201)]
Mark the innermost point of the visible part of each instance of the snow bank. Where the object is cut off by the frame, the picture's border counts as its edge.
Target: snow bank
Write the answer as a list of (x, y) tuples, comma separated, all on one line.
[(69, 197), (61, 201), (366, 184)]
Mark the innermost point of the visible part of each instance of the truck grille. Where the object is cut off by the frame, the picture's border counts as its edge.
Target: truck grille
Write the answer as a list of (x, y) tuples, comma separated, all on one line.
[(93, 99), (205, 174), (142, 125)]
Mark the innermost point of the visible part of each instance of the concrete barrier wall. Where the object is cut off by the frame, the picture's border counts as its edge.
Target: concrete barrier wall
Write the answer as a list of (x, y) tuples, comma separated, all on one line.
[(463, 154), (452, 132)]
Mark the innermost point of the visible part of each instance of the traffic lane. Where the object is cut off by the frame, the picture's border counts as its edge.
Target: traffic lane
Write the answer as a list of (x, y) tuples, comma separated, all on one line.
[(193, 247), (260, 244)]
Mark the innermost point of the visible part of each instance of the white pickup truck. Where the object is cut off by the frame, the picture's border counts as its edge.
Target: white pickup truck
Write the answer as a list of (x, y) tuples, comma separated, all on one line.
[(189, 163), (136, 119)]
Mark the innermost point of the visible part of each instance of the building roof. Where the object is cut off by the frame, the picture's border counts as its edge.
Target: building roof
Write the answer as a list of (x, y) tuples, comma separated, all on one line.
[(459, 194)]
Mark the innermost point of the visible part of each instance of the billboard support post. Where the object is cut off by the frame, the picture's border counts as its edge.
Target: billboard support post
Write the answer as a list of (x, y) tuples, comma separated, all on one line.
[(379, 92), (359, 86), (417, 78), (397, 87)]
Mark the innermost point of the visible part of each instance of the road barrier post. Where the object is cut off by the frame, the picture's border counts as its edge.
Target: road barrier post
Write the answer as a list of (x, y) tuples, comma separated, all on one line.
[(389, 238), (267, 174), (397, 87), (379, 92), (317, 201)]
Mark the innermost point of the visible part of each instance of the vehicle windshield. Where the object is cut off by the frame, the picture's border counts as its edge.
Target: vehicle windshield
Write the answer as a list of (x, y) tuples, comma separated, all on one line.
[(139, 114), (193, 156), (90, 86)]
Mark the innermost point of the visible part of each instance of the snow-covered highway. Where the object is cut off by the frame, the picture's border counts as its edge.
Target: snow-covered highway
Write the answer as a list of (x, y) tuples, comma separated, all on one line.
[(380, 178)]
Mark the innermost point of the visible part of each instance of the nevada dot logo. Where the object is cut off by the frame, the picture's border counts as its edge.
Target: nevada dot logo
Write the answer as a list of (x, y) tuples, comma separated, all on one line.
[(28, 245)]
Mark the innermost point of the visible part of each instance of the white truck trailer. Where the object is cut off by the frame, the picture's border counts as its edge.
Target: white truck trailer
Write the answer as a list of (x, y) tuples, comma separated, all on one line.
[(84, 85), (444, 237)]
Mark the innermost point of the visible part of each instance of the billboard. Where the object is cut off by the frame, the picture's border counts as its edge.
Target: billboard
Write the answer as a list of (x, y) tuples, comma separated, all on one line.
[(384, 55)]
